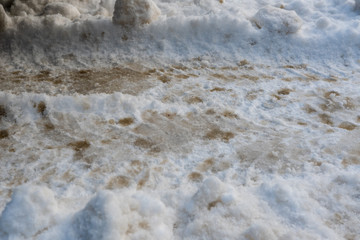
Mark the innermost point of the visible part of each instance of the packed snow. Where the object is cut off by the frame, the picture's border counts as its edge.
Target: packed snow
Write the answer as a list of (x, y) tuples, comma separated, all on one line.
[(191, 119)]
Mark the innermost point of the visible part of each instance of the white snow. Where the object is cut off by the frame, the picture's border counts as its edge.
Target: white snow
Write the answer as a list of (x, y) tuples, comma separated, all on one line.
[(159, 119), (31, 209), (278, 20)]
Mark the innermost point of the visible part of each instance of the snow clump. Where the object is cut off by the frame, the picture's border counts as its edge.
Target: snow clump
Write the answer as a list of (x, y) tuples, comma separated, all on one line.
[(65, 9), (135, 12), (30, 210), (212, 192), (278, 20)]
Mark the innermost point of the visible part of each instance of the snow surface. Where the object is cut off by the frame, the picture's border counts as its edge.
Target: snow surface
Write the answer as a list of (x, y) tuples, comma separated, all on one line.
[(214, 120)]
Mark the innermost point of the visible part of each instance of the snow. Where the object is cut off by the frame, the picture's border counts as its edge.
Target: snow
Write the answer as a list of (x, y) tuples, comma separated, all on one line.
[(65, 9), (31, 209), (108, 216), (135, 12), (180, 120), (184, 30), (278, 20)]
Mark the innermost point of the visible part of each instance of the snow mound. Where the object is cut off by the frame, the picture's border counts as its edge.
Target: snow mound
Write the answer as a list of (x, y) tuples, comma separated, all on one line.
[(111, 216), (135, 12), (65, 9), (212, 192), (357, 5), (277, 20), (30, 210), (97, 219), (216, 206)]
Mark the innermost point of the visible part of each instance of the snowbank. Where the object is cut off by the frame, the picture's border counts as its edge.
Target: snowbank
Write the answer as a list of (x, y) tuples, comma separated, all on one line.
[(297, 31)]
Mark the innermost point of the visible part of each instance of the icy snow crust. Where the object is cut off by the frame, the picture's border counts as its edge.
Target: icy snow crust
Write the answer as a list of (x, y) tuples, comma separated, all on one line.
[(215, 120)]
